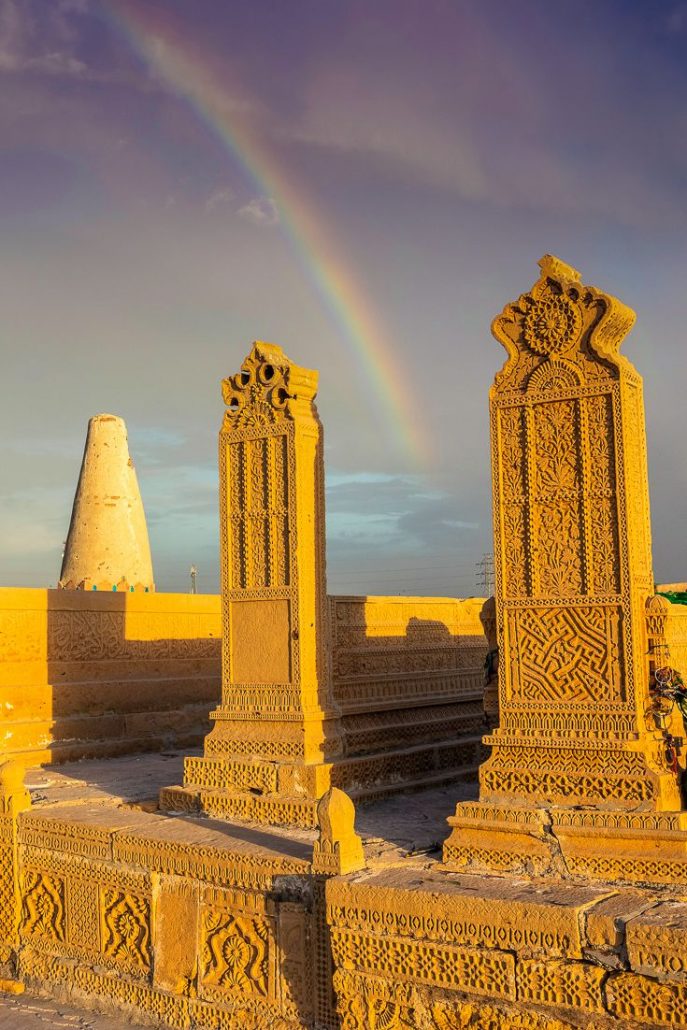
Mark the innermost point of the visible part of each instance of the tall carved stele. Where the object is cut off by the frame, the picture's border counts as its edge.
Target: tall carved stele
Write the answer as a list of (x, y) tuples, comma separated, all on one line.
[(577, 778), (277, 728)]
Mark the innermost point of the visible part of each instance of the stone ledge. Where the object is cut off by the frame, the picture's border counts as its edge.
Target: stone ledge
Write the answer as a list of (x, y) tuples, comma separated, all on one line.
[(656, 941), (606, 922), (536, 920)]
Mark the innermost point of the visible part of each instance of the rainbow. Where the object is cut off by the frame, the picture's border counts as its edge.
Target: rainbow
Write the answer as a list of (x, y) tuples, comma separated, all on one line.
[(191, 79)]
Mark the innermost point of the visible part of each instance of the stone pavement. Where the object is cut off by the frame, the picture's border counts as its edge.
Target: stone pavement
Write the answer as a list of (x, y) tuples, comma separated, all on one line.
[(408, 828), (26, 1013)]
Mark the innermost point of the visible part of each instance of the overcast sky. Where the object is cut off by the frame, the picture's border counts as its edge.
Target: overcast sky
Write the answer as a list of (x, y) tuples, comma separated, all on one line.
[(441, 148)]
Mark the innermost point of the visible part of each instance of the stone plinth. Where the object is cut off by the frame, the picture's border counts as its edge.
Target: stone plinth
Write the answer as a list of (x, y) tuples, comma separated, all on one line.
[(107, 545), (449, 951), (198, 923), (573, 575)]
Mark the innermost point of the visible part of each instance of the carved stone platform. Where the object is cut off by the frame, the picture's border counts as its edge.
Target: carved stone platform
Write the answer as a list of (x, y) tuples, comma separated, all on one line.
[(283, 793), (600, 845), (198, 923), (455, 951)]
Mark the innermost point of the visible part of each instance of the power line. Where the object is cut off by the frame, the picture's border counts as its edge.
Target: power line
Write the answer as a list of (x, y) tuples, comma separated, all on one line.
[(391, 571)]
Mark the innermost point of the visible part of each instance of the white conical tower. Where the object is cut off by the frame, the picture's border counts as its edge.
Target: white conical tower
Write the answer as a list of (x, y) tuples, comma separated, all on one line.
[(107, 545)]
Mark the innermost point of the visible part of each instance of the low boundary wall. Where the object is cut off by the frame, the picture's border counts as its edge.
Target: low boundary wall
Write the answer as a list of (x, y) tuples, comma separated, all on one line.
[(179, 922), (93, 674), (90, 674)]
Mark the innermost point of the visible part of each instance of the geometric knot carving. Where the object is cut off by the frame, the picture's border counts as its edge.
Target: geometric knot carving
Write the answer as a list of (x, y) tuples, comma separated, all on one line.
[(538, 782), (568, 653)]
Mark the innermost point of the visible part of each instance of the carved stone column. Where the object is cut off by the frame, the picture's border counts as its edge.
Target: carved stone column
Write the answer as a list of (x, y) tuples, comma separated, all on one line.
[(277, 728), (574, 754)]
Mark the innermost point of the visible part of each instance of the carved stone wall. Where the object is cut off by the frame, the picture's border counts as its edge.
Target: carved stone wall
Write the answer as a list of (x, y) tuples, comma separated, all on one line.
[(188, 926), (493, 954), (409, 679), (95, 674), (174, 921)]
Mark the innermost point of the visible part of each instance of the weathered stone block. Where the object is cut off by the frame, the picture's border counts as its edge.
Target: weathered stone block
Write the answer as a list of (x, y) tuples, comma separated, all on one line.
[(605, 923), (486, 972), (175, 937), (575, 985), (657, 941), (467, 910), (646, 1001)]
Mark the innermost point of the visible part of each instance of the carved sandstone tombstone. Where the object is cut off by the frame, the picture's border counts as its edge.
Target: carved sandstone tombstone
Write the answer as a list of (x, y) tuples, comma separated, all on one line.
[(574, 754), (107, 545), (277, 728)]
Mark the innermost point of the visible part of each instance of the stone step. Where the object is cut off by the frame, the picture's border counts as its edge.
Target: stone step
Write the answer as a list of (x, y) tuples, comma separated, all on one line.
[(249, 790), (272, 810), (216, 773), (386, 771)]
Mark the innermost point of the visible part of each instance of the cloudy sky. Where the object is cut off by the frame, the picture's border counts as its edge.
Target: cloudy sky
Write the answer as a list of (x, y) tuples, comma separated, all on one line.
[(365, 184)]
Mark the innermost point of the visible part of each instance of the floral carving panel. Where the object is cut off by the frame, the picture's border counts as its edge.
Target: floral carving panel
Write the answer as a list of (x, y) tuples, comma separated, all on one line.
[(513, 482), (556, 512), (43, 906), (125, 929), (235, 953)]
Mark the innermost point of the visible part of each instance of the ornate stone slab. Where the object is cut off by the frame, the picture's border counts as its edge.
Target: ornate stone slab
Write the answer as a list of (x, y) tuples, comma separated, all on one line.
[(573, 575)]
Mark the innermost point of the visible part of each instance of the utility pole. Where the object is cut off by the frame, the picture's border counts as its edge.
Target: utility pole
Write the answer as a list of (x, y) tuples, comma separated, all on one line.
[(485, 574), (194, 573)]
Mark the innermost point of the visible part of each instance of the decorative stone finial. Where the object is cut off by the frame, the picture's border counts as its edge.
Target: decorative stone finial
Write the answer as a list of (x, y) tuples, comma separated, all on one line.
[(268, 388), (14, 797), (561, 333), (557, 269), (339, 849), (107, 546)]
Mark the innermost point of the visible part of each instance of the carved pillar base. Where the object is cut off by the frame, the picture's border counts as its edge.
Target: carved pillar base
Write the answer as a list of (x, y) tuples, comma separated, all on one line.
[(627, 773), (273, 793), (267, 771), (606, 845), (14, 798)]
